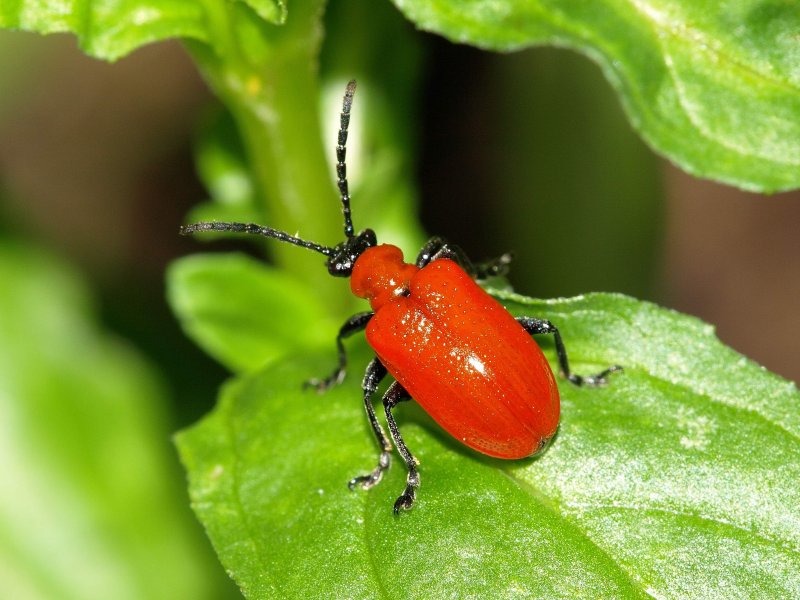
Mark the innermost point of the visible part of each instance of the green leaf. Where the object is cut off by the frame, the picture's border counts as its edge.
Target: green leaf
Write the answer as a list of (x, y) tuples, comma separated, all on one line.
[(91, 504), (272, 11), (711, 85), (680, 478), (244, 313), (110, 29)]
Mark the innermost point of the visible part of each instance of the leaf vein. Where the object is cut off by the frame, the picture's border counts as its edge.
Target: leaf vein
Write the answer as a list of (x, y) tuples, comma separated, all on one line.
[(536, 495), (782, 544), (678, 29), (372, 559)]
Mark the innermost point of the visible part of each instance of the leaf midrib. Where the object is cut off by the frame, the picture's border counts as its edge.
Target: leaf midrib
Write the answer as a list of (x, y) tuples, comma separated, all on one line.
[(535, 495)]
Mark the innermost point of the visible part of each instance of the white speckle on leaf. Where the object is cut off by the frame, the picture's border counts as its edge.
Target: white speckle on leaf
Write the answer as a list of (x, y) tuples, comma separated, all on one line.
[(697, 429), (142, 16)]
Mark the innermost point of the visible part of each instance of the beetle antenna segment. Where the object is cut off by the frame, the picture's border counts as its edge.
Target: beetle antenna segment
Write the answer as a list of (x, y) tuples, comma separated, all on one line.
[(253, 229), (341, 152)]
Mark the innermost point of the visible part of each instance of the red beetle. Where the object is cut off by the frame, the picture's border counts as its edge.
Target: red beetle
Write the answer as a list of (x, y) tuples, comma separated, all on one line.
[(449, 345)]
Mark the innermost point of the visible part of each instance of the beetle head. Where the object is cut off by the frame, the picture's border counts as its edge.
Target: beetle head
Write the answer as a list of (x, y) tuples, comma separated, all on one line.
[(345, 254)]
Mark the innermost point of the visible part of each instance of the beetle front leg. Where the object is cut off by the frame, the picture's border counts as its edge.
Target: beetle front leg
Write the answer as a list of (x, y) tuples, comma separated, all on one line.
[(372, 378), (429, 250), (353, 325), (437, 248), (394, 395), (537, 326)]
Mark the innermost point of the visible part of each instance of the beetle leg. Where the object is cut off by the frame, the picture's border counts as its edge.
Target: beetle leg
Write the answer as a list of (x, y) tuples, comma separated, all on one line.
[(353, 325), (427, 252), (437, 248), (393, 396), (494, 267), (372, 377), (536, 326)]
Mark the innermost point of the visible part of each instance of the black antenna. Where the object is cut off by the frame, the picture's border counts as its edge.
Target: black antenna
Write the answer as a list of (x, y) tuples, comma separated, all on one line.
[(252, 228), (352, 247), (341, 151)]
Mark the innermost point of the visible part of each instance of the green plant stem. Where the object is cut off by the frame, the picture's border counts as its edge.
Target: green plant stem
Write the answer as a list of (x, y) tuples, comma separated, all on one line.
[(269, 81)]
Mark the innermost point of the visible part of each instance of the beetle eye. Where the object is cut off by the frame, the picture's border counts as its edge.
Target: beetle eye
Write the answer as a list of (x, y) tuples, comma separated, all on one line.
[(344, 257), (339, 265)]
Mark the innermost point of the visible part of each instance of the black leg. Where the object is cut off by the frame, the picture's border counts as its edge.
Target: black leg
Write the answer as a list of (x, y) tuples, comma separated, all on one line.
[(353, 325), (494, 267), (437, 248), (536, 326), (394, 395), (372, 377), (431, 247)]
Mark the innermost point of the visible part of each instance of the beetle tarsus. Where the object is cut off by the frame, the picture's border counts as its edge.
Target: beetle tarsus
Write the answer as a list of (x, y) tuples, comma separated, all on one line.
[(372, 479), (409, 495), (323, 385), (405, 501), (593, 380)]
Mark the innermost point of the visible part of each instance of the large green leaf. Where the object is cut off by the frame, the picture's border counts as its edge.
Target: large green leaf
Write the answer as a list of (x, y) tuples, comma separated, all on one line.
[(711, 85), (91, 504), (679, 479)]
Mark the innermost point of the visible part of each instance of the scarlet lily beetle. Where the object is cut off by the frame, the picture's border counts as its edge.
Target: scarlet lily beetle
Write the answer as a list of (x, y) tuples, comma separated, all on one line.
[(449, 345)]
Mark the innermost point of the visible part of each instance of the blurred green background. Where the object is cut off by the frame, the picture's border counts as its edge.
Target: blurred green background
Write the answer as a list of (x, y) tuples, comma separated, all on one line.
[(528, 152)]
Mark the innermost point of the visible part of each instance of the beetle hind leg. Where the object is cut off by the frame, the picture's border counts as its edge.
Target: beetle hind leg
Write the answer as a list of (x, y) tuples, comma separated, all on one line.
[(394, 395), (537, 326), (372, 377)]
